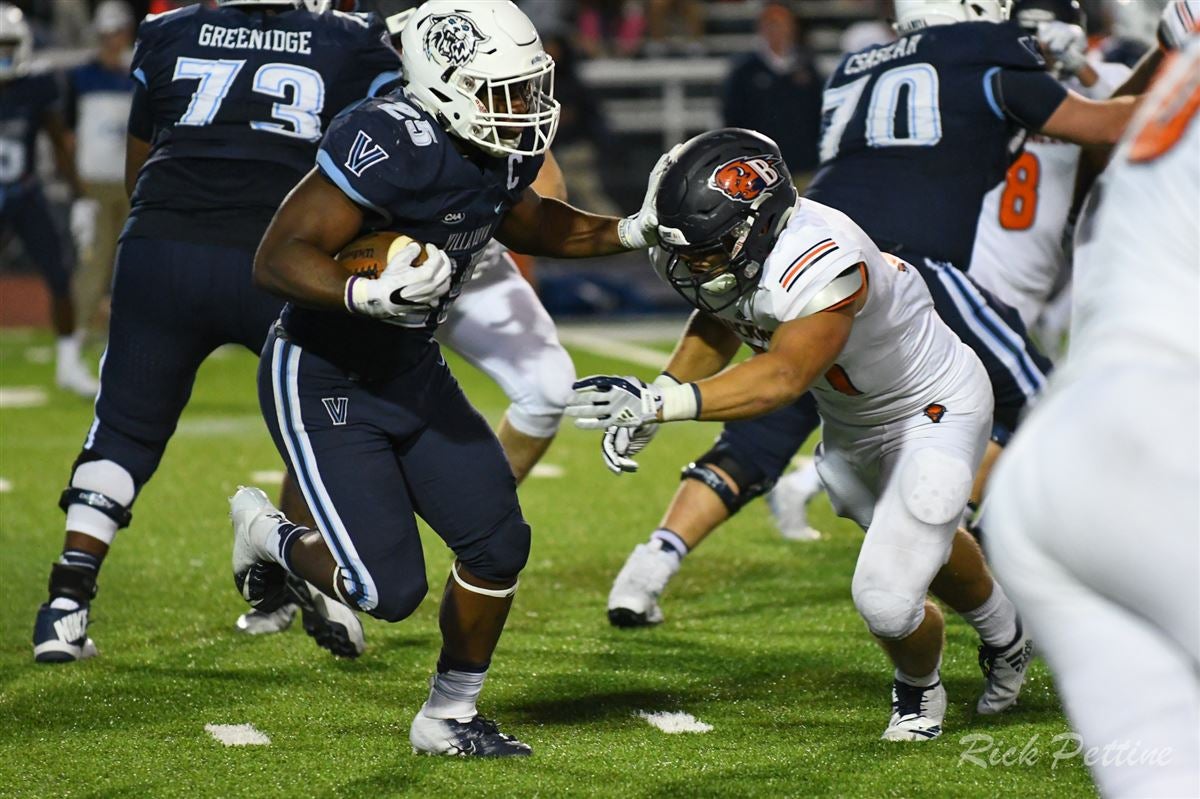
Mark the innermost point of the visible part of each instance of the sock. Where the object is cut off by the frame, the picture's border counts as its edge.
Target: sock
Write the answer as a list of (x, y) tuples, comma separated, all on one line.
[(454, 691), (928, 681), (280, 542), (78, 559), (66, 349), (670, 543), (995, 620)]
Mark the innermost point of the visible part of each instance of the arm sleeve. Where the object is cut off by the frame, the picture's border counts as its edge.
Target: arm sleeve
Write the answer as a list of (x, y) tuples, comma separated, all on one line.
[(141, 123), (1026, 97)]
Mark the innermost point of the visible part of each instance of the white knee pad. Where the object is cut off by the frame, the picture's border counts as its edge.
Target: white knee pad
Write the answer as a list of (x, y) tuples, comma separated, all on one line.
[(114, 485), (935, 485), (540, 389), (889, 615)]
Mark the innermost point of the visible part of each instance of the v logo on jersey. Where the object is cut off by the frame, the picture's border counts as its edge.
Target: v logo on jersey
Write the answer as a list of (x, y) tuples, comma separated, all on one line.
[(337, 408), (364, 154)]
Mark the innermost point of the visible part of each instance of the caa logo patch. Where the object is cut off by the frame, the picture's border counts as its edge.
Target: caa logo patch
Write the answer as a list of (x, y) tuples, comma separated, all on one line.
[(454, 217), (744, 179), (453, 39)]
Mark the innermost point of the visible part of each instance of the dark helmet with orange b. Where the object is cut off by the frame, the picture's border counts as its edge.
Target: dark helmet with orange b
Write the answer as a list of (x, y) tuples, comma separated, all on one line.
[(721, 206)]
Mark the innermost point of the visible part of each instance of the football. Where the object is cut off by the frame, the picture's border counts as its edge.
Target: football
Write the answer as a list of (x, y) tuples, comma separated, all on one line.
[(367, 256)]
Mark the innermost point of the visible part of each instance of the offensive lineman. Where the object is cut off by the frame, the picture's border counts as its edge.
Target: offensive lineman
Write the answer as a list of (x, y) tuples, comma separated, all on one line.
[(1093, 518), (358, 399), (906, 405), (913, 179), (251, 83)]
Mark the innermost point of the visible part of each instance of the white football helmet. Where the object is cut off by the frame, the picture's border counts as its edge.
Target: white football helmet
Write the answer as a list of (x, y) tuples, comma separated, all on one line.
[(16, 41), (480, 69), (913, 15)]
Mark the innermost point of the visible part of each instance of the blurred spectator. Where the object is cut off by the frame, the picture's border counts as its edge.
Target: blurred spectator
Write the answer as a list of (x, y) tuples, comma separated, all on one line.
[(672, 15), (550, 17), (610, 27), (98, 97), (776, 90), (582, 135)]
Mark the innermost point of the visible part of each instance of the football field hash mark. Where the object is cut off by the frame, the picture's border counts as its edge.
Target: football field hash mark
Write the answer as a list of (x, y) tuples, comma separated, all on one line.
[(5, 485), (22, 397), (673, 723), (237, 734)]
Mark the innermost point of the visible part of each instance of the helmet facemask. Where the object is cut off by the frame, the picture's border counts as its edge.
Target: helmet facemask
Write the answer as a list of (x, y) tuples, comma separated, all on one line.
[(507, 107)]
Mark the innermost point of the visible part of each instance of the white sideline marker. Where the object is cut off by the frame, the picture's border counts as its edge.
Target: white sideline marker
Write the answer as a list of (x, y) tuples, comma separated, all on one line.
[(237, 734), (267, 476), (22, 397), (673, 723), (5, 485), (547, 471)]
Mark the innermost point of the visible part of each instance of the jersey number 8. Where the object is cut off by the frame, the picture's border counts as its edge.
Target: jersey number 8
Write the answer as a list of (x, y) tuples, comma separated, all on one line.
[(301, 118), (1018, 203)]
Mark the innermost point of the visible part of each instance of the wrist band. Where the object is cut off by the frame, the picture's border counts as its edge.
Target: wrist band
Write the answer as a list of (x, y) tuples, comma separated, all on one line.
[(680, 402)]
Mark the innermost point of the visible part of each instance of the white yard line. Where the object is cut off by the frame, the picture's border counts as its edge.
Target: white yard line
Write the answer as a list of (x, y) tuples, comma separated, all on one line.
[(673, 723), (237, 734), (22, 397), (600, 344)]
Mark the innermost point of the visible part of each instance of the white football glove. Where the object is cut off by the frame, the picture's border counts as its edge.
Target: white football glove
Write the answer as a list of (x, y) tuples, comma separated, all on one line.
[(1066, 44), (1180, 19), (401, 285), (639, 231), (84, 213), (603, 401), (620, 444)]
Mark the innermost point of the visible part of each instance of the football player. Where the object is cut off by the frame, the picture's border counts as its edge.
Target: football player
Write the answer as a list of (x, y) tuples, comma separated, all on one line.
[(906, 406), (228, 109), (916, 133), (360, 402), (500, 327), (1018, 254), (28, 105), (1092, 518)]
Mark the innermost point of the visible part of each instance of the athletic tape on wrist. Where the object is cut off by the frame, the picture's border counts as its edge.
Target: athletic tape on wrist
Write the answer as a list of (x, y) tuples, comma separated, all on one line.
[(680, 402), (502, 593)]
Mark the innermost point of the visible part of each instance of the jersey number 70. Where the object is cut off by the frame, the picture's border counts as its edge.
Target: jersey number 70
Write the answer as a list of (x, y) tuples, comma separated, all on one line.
[(916, 123)]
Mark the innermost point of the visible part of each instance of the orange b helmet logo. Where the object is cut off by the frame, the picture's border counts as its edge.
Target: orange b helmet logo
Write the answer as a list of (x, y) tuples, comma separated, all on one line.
[(744, 179)]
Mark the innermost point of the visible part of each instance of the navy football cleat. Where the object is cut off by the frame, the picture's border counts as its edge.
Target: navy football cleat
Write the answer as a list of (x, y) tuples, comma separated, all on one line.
[(60, 636), (331, 624), (478, 737)]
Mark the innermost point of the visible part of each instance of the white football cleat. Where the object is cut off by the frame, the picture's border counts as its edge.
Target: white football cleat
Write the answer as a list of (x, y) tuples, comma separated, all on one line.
[(633, 600), (1004, 672), (917, 713), (788, 502), (257, 622), (259, 579), (476, 737), (74, 376)]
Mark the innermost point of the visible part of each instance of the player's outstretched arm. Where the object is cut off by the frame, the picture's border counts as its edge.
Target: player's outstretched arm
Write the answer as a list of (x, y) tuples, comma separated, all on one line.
[(801, 351), (1083, 121), (544, 226), (295, 257), (705, 348)]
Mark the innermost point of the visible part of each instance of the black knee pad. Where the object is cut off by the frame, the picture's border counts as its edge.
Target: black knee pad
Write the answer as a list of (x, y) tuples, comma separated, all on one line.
[(750, 480), (398, 601), (501, 555)]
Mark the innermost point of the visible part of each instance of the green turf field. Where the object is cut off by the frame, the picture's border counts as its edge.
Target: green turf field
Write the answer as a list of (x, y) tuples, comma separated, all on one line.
[(761, 641)]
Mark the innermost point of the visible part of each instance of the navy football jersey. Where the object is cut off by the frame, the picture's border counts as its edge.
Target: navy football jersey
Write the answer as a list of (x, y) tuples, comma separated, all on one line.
[(916, 132), (234, 103), (393, 160), (24, 103)]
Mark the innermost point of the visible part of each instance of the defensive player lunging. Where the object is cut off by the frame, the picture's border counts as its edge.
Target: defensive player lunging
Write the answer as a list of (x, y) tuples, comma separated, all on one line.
[(906, 405), (360, 403)]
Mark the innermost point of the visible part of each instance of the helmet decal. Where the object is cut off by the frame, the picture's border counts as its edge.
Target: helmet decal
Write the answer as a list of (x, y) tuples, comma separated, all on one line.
[(453, 39), (744, 179)]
